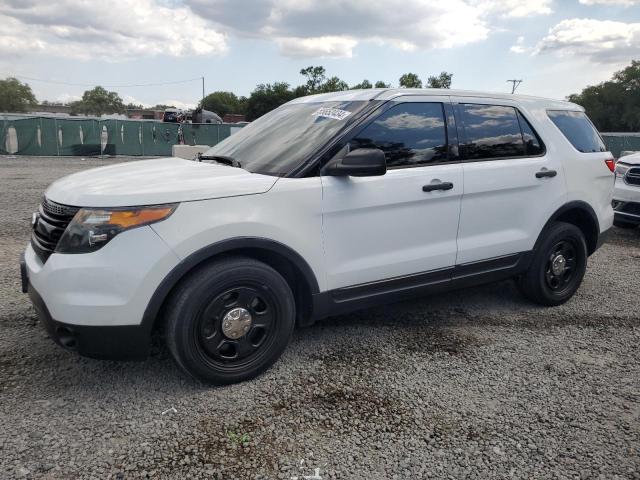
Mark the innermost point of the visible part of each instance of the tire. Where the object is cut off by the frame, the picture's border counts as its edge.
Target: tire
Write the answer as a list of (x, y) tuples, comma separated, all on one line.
[(546, 282), (624, 224), (229, 320)]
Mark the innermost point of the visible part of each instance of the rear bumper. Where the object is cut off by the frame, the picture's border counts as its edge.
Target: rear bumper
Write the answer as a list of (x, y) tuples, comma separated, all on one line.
[(124, 342)]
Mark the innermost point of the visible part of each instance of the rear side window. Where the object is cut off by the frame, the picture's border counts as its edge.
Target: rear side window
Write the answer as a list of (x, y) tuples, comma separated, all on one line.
[(578, 129), (409, 134), (532, 143), (490, 131)]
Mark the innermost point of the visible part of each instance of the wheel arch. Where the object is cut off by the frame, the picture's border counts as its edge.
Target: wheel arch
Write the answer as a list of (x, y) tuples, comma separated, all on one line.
[(286, 261), (580, 214)]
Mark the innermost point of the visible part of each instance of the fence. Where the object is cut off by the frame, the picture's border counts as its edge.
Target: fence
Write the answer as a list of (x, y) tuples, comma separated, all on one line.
[(619, 142), (52, 136)]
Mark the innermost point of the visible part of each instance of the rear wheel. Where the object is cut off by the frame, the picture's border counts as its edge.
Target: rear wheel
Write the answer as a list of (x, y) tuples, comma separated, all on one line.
[(624, 224), (558, 266), (230, 320)]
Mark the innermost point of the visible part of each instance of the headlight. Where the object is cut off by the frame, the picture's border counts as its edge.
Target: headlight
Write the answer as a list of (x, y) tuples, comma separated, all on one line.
[(622, 169), (92, 228)]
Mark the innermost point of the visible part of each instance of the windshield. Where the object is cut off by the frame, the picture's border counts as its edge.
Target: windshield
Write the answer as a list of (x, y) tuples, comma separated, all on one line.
[(279, 141)]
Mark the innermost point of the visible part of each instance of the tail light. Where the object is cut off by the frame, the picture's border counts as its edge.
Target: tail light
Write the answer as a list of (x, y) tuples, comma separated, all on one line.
[(611, 164)]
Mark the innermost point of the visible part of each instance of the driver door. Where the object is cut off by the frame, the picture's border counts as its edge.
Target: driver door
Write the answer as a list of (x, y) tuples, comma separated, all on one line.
[(400, 227)]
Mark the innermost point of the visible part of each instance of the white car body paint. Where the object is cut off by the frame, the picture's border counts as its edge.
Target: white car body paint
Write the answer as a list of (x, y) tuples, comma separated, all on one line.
[(349, 231), (109, 287), (151, 182)]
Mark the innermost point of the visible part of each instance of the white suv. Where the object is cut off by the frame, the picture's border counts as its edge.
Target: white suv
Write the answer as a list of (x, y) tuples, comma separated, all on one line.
[(327, 204), (626, 195)]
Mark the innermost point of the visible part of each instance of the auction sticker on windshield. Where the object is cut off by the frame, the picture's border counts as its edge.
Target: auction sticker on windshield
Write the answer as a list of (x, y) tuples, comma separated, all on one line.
[(334, 113)]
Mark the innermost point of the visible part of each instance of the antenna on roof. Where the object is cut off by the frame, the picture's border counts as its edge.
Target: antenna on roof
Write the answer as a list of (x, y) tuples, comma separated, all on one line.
[(514, 84)]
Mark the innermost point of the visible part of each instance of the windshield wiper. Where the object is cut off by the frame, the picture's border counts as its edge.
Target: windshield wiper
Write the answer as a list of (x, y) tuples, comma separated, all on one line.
[(221, 159)]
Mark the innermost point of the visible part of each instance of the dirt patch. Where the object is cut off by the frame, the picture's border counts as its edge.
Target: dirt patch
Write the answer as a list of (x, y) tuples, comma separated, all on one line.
[(436, 340), (271, 439)]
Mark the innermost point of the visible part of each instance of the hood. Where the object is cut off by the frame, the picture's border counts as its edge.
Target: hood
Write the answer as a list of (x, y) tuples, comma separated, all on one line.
[(633, 159), (149, 182)]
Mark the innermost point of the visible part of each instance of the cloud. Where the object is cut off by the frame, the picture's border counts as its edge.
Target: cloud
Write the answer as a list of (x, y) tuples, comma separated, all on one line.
[(112, 31), (602, 41), (519, 46), (67, 98), (178, 104), (333, 28), (624, 3), (329, 46), (127, 29), (403, 121), (516, 8)]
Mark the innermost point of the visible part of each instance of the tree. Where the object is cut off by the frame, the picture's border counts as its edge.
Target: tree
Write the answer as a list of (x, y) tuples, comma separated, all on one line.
[(15, 96), (441, 81), (334, 84), (315, 78), (410, 80), (364, 84), (614, 105), (381, 84), (266, 97), (98, 102), (222, 103), (300, 91)]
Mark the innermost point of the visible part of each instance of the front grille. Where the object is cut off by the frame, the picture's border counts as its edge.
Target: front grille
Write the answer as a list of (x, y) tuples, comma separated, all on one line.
[(633, 176), (51, 223)]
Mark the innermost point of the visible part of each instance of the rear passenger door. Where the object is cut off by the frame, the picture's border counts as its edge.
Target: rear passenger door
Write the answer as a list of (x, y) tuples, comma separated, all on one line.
[(511, 184)]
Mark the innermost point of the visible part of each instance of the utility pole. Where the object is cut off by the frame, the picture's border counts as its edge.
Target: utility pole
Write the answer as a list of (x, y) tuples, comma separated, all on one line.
[(203, 90), (514, 85)]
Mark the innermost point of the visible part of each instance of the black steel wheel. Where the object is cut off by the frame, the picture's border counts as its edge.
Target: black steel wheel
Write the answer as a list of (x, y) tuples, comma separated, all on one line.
[(236, 325), (230, 320), (558, 266), (561, 265)]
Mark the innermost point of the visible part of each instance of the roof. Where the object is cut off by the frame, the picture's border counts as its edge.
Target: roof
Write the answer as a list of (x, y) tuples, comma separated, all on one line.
[(390, 93)]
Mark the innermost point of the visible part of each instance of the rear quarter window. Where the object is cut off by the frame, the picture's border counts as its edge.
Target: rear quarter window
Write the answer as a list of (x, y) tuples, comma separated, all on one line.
[(578, 129)]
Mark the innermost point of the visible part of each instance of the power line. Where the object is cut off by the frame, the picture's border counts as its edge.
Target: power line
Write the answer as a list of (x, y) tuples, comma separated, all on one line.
[(55, 82)]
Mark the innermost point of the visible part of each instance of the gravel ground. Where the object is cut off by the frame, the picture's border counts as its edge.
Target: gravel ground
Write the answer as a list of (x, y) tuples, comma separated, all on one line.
[(474, 384)]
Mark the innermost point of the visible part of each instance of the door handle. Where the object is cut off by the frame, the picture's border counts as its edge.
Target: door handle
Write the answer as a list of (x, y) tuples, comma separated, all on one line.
[(437, 186), (546, 173)]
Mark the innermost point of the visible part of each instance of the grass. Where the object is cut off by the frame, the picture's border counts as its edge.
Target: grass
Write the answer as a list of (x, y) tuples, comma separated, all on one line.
[(238, 439)]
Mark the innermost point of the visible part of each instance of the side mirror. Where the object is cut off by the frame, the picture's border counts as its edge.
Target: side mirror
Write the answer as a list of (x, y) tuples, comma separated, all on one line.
[(363, 162)]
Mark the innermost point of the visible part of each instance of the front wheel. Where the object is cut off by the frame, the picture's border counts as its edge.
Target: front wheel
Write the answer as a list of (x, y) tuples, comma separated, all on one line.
[(230, 320), (558, 266)]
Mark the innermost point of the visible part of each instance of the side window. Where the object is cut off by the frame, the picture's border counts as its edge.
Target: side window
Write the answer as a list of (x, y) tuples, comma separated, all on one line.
[(579, 130), (490, 131), (408, 133), (532, 143)]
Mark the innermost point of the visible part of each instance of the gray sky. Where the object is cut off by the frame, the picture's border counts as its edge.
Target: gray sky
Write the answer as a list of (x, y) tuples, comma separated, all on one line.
[(556, 46)]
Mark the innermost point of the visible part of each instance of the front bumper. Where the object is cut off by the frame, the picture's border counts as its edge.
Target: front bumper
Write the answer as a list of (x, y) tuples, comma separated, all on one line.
[(626, 201), (128, 342), (94, 303), (627, 211)]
